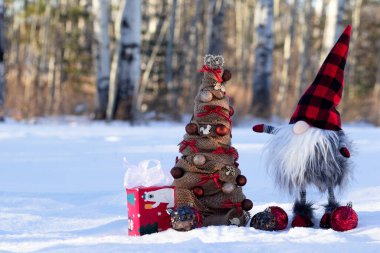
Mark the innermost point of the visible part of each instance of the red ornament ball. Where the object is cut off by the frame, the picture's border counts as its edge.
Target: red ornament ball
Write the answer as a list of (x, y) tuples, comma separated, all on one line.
[(198, 191), (241, 180), (344, 218), (226, 75), (177, 172), (246, 204), (281, 217), (191, 128), (232, 111), (221, 130)]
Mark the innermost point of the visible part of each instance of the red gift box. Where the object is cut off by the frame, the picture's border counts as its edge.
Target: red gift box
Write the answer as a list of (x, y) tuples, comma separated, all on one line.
[(147, 209)]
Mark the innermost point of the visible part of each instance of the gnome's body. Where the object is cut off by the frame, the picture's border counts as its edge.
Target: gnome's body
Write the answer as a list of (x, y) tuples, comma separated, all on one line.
[(313, 149)]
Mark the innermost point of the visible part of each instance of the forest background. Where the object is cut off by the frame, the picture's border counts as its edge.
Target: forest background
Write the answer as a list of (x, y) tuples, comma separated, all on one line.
[(137, 60)]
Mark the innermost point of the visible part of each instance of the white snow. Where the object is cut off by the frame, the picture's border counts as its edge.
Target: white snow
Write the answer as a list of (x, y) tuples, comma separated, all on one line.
[(61, 190)]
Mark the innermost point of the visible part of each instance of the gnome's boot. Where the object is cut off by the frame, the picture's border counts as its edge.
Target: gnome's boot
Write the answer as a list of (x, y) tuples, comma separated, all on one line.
[(303, 212), (329, 208)]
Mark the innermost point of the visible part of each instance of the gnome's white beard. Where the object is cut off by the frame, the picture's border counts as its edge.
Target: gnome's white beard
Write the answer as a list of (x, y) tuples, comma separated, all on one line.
[(299, 159)]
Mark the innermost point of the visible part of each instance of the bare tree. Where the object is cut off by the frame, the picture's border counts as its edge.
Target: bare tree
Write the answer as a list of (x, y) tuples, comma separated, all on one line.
[(286, 66), (101, 17), (125, 68), (304, 46), (376, 93), (215, 19), (2, 70), (317, 34), (332, 25), (262, 72), (173, 97), (356, 12)]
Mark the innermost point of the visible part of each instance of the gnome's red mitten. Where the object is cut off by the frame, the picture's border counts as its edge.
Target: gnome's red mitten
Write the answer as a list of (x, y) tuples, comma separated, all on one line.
[(263, 128), (258, 128), (345, 152)]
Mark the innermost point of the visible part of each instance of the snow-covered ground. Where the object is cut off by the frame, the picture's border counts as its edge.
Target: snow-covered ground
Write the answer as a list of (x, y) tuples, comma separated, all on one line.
[(61, 190)]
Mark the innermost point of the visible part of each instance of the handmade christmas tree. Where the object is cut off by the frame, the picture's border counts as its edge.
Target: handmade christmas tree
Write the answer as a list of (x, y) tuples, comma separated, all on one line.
[(207, 176)]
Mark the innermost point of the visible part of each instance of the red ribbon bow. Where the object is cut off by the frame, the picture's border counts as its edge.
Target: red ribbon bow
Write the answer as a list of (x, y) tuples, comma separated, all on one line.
[(231, 151), (191, 144), (206, 178), (230, 204), (217, 72), (217, 110)]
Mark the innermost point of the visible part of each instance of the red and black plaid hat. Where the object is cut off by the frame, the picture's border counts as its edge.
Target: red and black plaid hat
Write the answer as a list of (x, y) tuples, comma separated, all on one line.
[(318, 104)]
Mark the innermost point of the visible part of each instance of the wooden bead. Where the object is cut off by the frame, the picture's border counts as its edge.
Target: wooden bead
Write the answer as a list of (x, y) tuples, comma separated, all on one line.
[(246, 204), (221, 130), (241, 180), (191, 128), (232, 111), (198, 191), (205, 96), (218, 94), (226, 75), (199, 160), (177, 172), (228, 187)]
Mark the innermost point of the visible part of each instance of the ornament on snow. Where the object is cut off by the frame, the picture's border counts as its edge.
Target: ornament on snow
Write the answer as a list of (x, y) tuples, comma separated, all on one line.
[(344, 218), (273, 218), (185, 218)]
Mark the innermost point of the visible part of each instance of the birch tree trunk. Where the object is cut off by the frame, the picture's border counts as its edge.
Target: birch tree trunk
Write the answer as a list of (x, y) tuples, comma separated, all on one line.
[(356, 12), (101, 17), (2, 70), (332, 25), (376, 92), (304, 46), (262, 72), (215, 19), (169, 60), (125, 68), (130, 58), (288, 46)]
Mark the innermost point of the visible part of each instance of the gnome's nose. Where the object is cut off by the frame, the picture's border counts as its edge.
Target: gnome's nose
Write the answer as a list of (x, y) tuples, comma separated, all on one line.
[(300, 127)]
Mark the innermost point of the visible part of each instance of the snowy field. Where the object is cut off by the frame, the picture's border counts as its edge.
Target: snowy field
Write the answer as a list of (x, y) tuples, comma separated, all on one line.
[(61, 190)]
